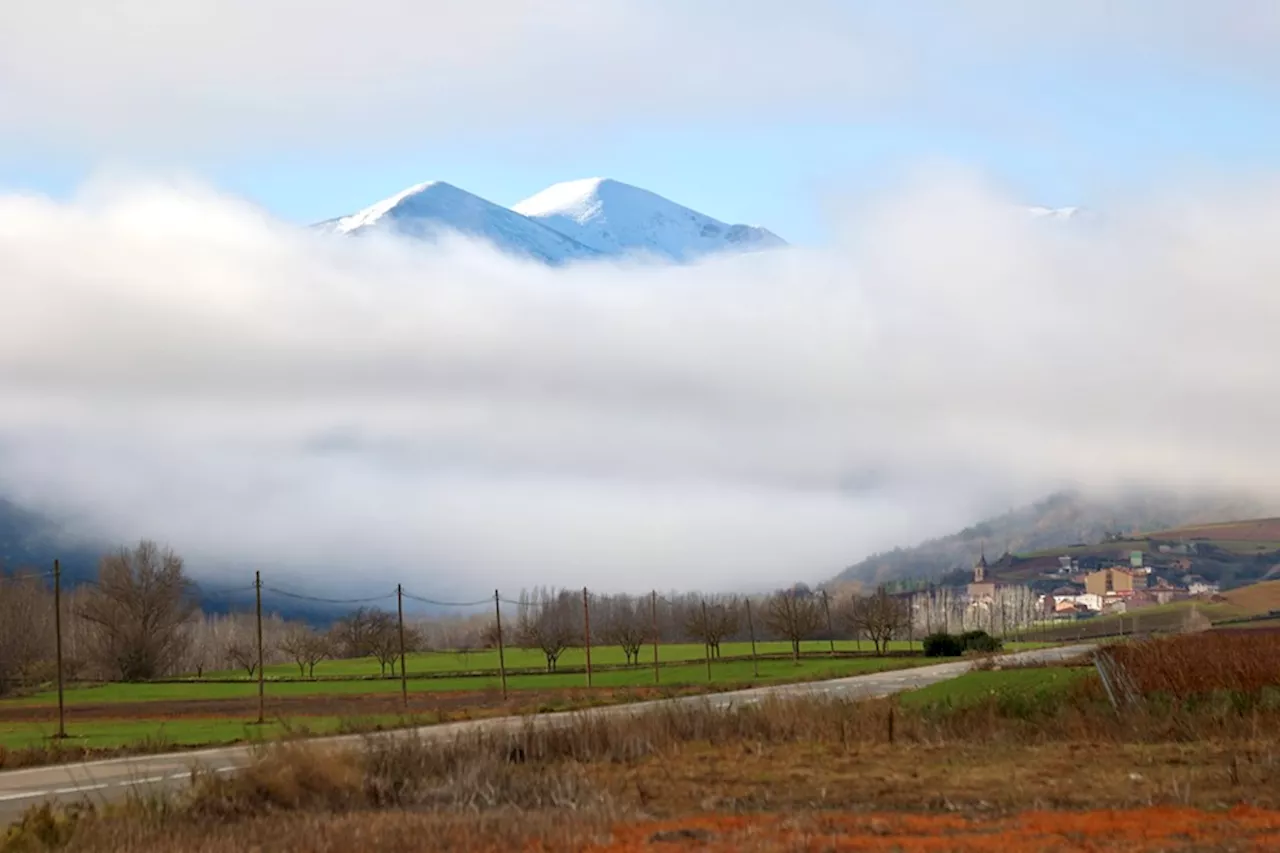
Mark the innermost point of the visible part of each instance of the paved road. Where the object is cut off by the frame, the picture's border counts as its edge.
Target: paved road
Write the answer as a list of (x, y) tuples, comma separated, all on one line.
[(113, 778)]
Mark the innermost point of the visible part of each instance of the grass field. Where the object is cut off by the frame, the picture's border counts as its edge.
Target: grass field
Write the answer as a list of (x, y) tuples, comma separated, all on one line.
[(723, 672), (120, 714), (975, 688), (1000, 760), (429, 663)]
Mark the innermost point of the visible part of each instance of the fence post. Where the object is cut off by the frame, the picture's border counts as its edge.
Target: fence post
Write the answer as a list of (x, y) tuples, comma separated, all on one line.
[(404, 679), (751, 629), (831, 633), (653, 612), (707, 639), (57, 627), (586, 632), (257, 588), (502, 661)]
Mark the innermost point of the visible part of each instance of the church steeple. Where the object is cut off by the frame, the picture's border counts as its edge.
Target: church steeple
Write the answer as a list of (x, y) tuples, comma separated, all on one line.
[(980, 567)]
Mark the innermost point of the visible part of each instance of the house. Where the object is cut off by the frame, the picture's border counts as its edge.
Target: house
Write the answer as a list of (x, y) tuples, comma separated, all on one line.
[(1203, 587), (1086, 601), (1105, 581)]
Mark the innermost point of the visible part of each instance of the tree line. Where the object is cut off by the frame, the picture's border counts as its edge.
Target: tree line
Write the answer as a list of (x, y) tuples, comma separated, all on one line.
[(141, 619)]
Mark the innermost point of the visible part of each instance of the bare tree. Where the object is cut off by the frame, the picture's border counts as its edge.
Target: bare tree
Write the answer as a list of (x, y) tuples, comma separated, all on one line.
[(26, 630), (306, 647), (138, 610), (548, 621), (624, 624), (712, 623), (352, 635), (383, 639), (794, 617), (242, 654), (879, 616)]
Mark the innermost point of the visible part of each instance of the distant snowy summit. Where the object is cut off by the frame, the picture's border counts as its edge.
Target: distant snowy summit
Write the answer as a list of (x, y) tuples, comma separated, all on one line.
[(618, 219), (575, 220), (1056, 212), (428, 210)]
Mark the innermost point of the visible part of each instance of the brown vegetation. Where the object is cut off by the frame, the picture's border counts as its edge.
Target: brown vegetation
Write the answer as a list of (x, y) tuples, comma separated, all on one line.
[(749, 778), (1188, 665)]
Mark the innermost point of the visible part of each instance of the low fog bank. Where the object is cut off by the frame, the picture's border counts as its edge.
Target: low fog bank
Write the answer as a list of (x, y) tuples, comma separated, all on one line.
[(176, 365)]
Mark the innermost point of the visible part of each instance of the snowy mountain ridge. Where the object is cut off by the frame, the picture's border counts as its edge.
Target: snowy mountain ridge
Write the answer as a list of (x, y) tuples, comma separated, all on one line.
[(425, 211), (572, 221), (585, 219), (619, 219)]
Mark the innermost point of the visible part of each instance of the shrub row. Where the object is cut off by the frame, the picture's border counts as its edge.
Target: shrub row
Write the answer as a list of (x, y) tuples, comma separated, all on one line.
[(943, 645)]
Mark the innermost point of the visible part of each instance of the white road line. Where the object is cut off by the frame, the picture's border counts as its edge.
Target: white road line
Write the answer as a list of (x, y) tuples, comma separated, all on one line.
[(79, 789), (144, 781), (5, 798)]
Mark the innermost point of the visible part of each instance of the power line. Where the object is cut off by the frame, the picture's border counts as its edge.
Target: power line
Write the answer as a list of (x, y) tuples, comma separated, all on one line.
[(320, 600), (436, 603)]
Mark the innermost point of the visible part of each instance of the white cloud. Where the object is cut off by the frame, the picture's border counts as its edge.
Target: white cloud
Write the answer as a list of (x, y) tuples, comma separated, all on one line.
[(142, 77), (175, 365)]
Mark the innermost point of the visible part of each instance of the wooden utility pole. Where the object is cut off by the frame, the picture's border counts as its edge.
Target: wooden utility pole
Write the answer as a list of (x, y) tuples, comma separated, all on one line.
[(404, 679), (502, 659), (262, 701), (751, 629), (653, 614), (707, 642), (831, 633), (586, 631), (57, 628)]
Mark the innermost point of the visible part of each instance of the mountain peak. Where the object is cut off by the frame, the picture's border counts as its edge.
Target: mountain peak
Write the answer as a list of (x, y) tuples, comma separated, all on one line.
[(426, 210), (617, 218)]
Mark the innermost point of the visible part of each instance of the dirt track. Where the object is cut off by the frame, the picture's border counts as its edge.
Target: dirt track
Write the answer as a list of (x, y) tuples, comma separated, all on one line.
[(329, 705)]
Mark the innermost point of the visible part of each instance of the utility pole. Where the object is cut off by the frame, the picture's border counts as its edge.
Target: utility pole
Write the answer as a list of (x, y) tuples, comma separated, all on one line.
[(586, 631), (831, 633), (751, 628), (502, 662), (707, 645), (404, 679), (262, 702), (57, 627), (653, 613)]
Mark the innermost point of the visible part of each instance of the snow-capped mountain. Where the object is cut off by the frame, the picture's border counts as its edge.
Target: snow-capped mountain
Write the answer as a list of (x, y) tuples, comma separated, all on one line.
[(426, 210), (618, 219), (1056, 212)]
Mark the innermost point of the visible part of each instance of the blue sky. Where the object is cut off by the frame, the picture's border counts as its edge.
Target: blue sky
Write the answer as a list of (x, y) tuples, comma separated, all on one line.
[(1123, 102)]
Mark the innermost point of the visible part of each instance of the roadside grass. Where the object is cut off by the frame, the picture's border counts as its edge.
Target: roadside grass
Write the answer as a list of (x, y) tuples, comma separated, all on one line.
[(724, 673), (1025, 684)]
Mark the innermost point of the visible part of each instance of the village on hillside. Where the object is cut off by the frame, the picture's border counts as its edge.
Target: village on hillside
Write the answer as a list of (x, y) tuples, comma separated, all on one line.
[(1210, 573)]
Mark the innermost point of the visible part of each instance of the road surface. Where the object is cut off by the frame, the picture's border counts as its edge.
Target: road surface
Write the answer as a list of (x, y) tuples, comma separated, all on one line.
[(112, 779)]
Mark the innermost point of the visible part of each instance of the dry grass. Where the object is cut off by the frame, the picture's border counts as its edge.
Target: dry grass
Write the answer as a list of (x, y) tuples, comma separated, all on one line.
[(1189, 665), (602, 783), (1255, 598)]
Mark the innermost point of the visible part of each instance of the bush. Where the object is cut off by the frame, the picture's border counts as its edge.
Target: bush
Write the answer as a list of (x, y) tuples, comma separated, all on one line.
[(980, 641), (943, 645)]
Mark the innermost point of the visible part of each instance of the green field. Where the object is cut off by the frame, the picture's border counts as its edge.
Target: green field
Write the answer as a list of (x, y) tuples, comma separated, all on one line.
[(208, 731), (427, 663), (726, 672), (972, 688)]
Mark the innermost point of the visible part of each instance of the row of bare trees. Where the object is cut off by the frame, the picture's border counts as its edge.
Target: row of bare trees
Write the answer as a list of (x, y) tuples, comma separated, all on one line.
[(141, 620), (552, 621)]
